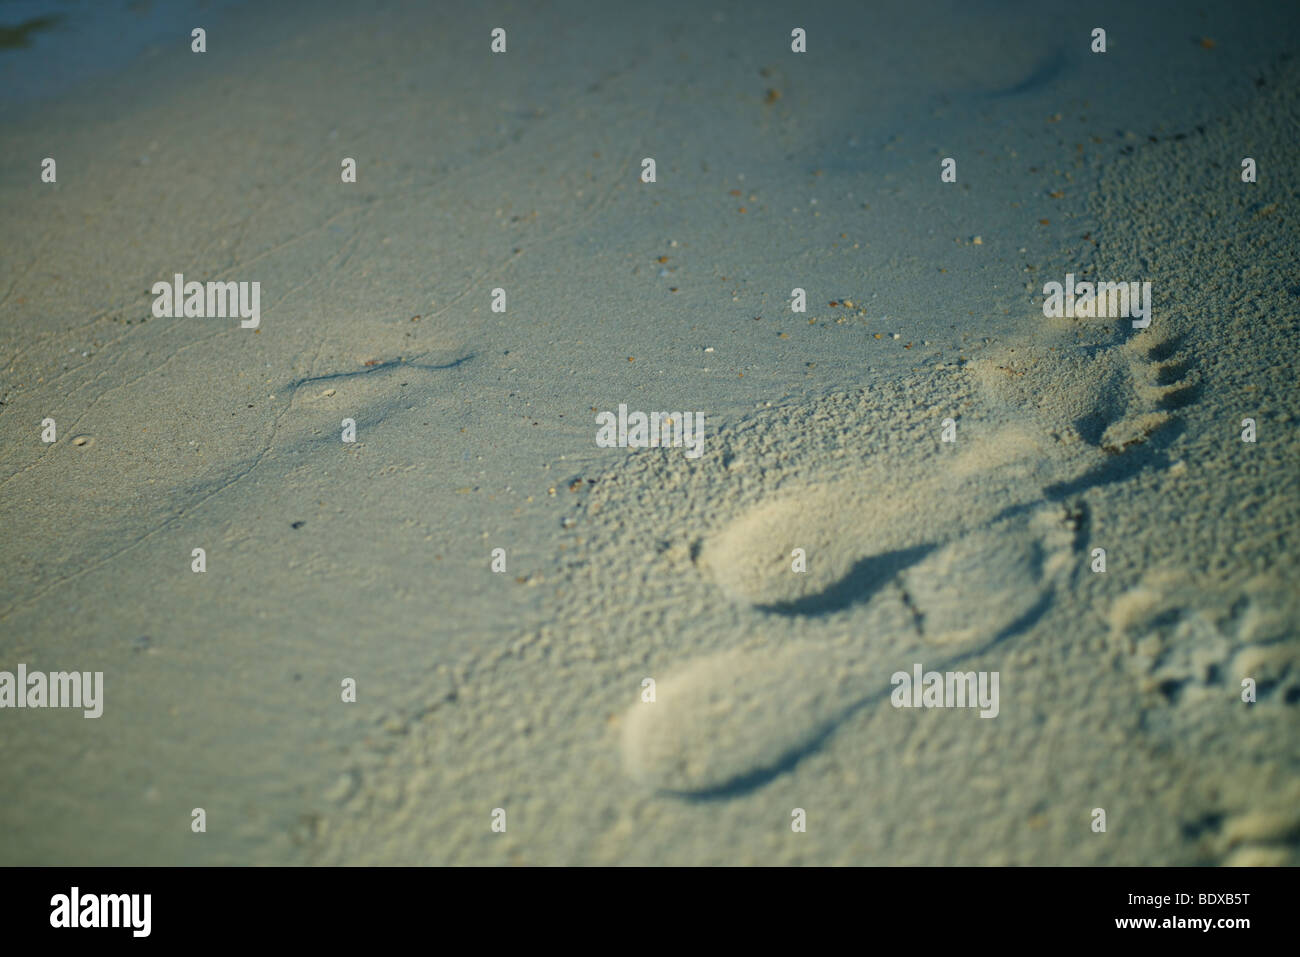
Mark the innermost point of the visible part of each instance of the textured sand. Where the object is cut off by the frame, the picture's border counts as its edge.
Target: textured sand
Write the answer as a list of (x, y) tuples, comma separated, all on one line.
[(522, 691)]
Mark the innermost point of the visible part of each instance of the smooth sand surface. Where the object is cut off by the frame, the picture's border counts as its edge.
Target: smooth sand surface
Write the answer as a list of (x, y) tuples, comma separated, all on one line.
[(476, 430)]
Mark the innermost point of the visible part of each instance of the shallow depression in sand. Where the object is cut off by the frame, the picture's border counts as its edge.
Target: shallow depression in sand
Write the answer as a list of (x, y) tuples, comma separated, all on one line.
[(735, 718), (753, 559), (974, 589)]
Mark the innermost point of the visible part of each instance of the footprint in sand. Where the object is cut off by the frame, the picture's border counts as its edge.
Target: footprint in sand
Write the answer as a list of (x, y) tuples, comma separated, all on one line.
[(923, 559), (1190, 640), (729, 722)]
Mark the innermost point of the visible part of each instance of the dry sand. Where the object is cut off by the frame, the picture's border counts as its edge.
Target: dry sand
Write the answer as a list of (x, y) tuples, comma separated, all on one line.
[(476, 430)]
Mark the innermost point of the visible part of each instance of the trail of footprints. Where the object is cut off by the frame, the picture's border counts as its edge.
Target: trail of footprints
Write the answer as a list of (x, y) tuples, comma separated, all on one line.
[(917, 552), (924, 551)]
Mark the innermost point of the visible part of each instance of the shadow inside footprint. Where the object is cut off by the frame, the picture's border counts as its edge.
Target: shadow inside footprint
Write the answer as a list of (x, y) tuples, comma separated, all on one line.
[(864, 579), (1151, 452), (757, 778)]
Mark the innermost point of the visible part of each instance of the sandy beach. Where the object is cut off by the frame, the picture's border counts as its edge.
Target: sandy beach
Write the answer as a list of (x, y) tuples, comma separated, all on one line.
[(914, 471)]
